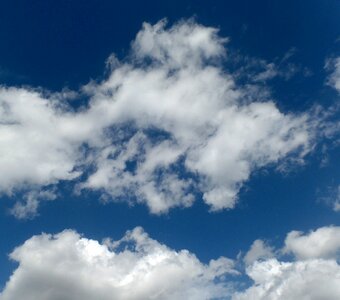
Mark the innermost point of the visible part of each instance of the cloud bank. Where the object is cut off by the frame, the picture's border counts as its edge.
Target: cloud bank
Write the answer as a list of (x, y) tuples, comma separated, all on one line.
[(68, 266), (167, 123)]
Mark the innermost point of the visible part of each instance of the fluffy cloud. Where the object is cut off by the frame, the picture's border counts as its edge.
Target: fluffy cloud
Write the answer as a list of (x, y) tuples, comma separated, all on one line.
[(67, 266), (315, 273), (305, 280), (34, 150), (258, 251), (167, 122), (321, 243)]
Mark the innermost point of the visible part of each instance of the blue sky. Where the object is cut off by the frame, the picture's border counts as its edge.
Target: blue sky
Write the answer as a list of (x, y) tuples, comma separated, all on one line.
[(211, 126)]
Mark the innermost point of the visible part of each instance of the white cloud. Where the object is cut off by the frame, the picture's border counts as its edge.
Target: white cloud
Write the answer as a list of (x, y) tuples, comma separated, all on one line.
[(67, 266), (321, 243), (187, 44), (28, 208), (169, 110), (258, 251), (304, 280), (70, 267), (33, 148), (269, 73), (259, 70), (315, 273), (211, 128)]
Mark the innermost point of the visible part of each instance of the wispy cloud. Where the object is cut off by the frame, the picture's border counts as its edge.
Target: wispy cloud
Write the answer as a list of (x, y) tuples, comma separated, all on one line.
[(333, 64)]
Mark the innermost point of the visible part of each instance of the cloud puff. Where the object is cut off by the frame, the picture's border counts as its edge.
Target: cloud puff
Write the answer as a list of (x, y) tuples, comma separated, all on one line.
[(166, 123), (28, 208), (315, 273), (258, 251), (321, 243), (275, 280), (67, 266)]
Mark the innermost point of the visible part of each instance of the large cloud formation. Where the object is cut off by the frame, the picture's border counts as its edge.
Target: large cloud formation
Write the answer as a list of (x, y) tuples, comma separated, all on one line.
[(70, 267), (166, 123)]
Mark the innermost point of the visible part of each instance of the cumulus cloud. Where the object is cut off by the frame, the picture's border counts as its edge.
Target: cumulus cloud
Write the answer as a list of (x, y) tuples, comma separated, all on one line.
[(321, 243), (167, 122), (259, 250), (67, 266), (314, 274), (305, 280)]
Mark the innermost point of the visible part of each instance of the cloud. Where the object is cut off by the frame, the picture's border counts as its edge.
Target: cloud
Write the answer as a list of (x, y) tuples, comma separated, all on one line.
[(34, 149), (334, 78), (259, 70), (321, 243), (314, 274), (275, 280), (269, 73), (336, 202), (166, 123), (258, 251), (67, 266), (28, 208), (185, 45)]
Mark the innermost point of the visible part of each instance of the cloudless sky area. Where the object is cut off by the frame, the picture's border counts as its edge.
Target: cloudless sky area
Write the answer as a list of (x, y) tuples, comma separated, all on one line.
[(54, 45)]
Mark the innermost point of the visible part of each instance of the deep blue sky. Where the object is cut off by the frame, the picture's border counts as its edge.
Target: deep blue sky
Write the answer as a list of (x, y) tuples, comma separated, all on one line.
[(58, 44)]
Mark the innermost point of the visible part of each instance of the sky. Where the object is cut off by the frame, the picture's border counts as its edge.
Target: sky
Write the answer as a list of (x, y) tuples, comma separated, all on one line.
[(169, 150)]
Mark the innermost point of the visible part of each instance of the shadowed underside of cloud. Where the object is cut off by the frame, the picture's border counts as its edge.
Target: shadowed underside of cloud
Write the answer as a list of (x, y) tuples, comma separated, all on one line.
[(69, 267), (166, 123)]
